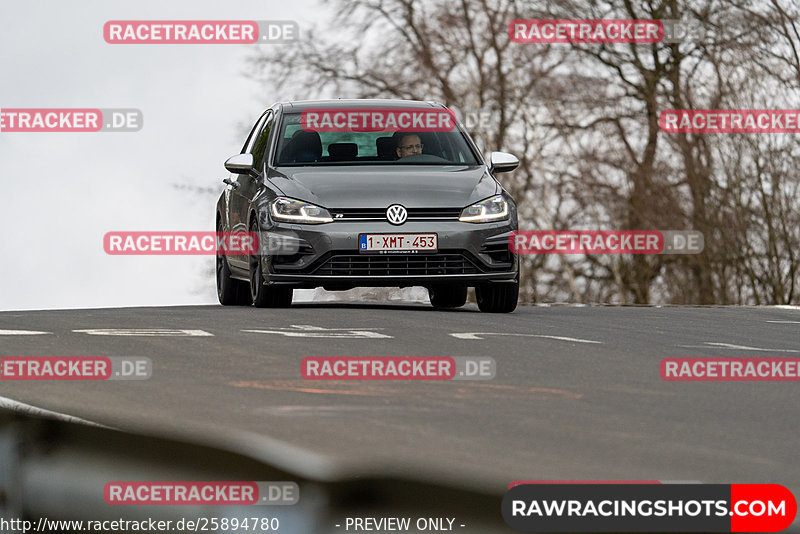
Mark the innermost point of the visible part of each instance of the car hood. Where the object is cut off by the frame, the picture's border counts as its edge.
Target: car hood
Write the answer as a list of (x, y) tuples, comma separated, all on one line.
[(378, 187)]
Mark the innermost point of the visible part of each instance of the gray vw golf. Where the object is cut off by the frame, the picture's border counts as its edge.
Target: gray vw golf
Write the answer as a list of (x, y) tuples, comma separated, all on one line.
[(354, 193)]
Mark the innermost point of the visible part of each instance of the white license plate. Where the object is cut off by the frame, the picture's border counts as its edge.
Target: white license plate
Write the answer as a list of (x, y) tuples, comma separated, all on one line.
[(397, 242)]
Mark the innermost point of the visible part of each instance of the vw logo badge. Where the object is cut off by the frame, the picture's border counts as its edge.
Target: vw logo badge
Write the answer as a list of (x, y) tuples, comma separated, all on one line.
[(396, 214)]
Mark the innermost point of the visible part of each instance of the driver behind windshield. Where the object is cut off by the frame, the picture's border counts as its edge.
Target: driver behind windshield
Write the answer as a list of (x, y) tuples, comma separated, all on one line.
[(408, 144)]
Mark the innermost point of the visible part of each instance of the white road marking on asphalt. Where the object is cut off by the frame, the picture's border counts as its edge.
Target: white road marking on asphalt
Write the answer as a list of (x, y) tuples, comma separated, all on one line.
[(149, 332), (307, 330), (27, 409), (785, 322), (22, 333), (476, 335), (730, 346)]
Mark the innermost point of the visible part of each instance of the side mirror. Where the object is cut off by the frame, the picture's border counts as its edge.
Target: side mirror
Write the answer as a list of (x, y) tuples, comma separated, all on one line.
[(241, 164), (503, 162)]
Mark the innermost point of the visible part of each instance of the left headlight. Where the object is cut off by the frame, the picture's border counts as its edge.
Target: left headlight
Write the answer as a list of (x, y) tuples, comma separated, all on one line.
[(291, 210), (491, 209)]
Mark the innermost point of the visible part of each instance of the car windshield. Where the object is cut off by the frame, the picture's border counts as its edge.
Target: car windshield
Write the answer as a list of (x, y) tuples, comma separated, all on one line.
[(301, 146)]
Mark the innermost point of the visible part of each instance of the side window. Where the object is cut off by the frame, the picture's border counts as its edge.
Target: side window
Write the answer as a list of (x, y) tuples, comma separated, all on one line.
[(252, 132), (260, 146)]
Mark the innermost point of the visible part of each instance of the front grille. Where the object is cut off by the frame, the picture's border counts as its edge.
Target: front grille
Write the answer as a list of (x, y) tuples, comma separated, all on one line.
[(355, 265), (379, 214)]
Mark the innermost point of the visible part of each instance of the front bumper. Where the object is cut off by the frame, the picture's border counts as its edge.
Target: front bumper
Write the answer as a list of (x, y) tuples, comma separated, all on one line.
[(327, 255)]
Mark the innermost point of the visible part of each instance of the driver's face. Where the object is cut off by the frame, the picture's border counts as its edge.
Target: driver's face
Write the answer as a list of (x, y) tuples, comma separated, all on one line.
[(409, 145)]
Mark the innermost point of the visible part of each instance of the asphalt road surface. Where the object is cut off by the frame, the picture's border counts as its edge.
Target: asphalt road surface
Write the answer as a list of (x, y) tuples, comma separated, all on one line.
[(577, 395)]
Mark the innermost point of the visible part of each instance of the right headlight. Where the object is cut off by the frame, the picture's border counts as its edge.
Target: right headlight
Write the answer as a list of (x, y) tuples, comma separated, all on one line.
[(491, 209), (291, 210)]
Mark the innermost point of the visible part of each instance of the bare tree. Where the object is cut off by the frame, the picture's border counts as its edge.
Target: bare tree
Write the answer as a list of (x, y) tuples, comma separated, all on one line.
[(583, 118)]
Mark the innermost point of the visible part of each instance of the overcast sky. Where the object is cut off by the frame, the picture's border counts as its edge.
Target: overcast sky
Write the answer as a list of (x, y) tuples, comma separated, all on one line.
[(63, 191)]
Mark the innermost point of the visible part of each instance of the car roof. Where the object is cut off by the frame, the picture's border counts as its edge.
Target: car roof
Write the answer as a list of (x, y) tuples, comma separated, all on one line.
[(300, 105)]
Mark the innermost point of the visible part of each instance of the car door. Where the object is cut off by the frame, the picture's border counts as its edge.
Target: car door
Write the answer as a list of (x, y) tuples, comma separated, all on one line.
[(246, 186)]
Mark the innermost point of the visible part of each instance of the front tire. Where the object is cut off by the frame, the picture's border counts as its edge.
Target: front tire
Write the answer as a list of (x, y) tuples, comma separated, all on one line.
[(230, 292), (497, 298), (448, 296), (262, 295)]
